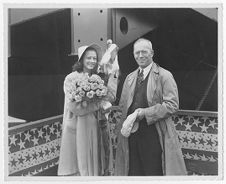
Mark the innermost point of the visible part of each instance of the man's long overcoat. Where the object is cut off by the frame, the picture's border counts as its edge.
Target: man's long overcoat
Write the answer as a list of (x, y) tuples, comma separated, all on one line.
[(163, 101)]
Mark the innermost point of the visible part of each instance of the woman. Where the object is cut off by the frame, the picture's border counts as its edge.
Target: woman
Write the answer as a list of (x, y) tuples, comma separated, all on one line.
[(82, 150)]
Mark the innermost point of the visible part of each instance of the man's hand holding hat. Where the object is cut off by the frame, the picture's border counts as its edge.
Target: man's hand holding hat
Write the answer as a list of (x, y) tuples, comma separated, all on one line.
[(140, 114)]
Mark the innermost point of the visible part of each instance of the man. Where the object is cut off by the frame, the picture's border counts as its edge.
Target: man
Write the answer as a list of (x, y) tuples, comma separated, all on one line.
[(153, 149)]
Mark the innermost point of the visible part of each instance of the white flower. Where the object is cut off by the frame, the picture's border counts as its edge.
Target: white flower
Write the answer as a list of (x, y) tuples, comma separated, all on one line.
[(98, 93), (101, 86), (78, 89), (82, 93), (94, 86), (94, 78), (90, 94), (104, 91), (101, 81), (78, 98), (86, 87), (82, 84)]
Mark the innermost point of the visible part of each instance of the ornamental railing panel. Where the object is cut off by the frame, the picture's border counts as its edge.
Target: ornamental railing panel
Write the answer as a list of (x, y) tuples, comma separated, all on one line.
[(33, 148)]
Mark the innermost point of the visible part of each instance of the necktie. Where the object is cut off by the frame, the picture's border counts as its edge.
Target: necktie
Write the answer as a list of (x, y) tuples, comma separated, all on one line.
[(140, 77)]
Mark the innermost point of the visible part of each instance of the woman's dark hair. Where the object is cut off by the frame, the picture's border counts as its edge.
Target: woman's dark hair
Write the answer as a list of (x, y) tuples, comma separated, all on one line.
[(78, 66)]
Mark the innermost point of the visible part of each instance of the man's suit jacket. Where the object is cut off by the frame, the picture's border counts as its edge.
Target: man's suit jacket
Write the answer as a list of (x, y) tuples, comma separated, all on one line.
[(163, 101)]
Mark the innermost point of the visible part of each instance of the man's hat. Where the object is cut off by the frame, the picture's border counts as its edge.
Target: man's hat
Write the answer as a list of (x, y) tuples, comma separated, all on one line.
[(130, 125)]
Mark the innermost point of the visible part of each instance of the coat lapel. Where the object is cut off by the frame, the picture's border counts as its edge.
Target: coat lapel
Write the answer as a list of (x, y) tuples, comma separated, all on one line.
[(131, 85), (151, 86)]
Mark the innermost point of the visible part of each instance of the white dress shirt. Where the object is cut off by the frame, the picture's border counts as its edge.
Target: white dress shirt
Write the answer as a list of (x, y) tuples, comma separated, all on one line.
[(146, 70)]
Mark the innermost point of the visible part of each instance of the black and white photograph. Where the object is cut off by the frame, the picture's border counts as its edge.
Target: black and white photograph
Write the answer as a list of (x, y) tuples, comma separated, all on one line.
[(113, 91)]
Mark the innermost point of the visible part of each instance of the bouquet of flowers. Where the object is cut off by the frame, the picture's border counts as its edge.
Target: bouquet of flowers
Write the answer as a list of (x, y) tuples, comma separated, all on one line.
[(82, 88)]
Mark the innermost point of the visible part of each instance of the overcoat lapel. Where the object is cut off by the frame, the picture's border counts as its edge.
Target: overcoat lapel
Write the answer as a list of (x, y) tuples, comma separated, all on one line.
[(131, 85), (151, 86)]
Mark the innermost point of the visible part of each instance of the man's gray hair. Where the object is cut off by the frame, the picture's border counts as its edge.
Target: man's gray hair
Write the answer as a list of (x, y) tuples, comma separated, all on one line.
[(144, 40)]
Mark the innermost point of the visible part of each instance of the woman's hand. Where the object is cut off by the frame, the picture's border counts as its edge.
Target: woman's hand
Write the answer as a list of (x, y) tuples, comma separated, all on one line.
[(73, 106)]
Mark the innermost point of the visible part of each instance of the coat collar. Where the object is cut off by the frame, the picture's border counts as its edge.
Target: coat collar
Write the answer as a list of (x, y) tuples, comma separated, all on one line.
[(133, 75), (155, 68)]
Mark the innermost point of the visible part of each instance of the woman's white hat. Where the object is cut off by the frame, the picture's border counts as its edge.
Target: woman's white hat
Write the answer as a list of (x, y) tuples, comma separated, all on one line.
[(82, 49)]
